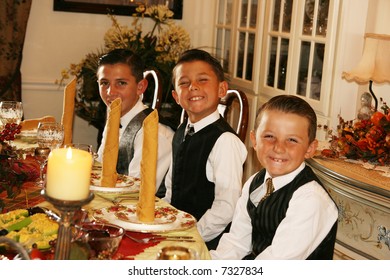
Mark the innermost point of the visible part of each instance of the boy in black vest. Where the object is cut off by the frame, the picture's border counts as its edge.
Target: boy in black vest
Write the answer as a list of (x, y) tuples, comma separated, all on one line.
[(120, 74), (284, 211), (205, 176)]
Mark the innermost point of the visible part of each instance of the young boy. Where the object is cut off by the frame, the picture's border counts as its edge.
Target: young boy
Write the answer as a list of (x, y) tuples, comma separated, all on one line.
[(205, 176), (120, 74), (298, 220)]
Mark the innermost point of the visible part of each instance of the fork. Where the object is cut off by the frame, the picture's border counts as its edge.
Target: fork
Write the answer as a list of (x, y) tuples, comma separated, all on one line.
[(161, 238), (117, 200)]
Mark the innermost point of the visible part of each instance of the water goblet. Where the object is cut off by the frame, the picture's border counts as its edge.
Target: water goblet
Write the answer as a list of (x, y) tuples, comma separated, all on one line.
[(50, 134), (11, 112), (41, 154)]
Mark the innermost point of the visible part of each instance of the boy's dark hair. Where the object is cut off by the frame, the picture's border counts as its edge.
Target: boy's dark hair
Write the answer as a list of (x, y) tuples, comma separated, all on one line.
[(294, 105), (135, 62), (200, 55)]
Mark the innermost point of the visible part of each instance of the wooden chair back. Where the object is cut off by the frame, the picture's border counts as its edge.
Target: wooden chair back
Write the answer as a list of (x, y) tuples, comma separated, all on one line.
[(155, 100), (234, 109)]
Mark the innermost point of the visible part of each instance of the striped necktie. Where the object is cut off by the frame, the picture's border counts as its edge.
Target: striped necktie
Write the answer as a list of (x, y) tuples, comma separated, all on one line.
[(270, 189), (189, 132)]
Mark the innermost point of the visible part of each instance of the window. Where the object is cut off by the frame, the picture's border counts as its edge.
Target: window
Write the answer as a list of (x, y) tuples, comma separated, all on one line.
[(277, 47)]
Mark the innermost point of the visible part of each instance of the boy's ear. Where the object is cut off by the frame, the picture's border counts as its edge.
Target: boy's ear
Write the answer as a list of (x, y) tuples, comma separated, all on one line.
[(223, 87), (311, 150), (175, 96), (141, 86), (252, 136)]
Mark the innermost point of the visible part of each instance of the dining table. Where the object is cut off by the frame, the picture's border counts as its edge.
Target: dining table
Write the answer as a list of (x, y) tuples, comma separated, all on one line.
[(187, 236)]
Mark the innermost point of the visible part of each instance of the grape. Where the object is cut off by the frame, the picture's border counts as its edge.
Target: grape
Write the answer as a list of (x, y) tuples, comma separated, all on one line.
[(9, 132)]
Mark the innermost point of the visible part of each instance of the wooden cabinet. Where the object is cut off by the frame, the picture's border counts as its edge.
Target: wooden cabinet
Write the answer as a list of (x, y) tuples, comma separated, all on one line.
[(363, 199)]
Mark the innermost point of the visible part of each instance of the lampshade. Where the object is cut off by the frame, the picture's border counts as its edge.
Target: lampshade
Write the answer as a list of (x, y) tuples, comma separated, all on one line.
[(375, 62)]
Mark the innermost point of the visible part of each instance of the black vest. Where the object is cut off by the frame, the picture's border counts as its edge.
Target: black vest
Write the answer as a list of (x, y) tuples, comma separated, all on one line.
[(267, 215), (126, 145), (192, 192)]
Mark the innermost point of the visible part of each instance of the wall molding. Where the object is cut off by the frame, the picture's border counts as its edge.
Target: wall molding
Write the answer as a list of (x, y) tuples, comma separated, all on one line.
[(31, 85)]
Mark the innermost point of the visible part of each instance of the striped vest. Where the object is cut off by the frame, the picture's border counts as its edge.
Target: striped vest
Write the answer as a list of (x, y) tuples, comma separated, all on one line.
[(267, 215)]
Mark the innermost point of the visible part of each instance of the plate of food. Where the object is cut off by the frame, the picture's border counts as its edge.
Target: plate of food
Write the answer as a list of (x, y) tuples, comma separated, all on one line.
[(124, 184), (167, 218), (30, 227)]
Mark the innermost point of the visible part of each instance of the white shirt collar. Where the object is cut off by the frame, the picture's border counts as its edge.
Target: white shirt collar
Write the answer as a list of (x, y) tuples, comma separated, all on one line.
[(205, 121), (281, 181), (138, 107)]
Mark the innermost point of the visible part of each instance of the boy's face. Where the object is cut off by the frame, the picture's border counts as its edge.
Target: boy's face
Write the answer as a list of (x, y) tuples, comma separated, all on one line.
[(117, 80), (281, 142), (197, 89)]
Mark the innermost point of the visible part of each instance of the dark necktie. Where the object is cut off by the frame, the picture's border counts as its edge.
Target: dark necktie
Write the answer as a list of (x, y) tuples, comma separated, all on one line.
[(270, 189), (190, 131)]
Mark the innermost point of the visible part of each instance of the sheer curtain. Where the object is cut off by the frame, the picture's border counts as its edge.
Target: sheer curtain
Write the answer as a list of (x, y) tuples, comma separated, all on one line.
[(13, 23)]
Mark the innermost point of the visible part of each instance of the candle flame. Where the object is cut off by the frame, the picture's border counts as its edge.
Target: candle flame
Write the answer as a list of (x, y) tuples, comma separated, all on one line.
[(69, 153)]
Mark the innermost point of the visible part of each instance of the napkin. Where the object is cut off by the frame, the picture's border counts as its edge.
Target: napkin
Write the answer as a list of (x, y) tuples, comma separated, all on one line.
[(145, 206), (68, 110), (110, 152), (32, 124)]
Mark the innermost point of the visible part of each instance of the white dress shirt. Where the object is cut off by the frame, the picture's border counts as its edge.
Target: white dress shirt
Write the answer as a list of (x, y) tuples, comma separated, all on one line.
[(165, 136), (224, 168), (310, 216)]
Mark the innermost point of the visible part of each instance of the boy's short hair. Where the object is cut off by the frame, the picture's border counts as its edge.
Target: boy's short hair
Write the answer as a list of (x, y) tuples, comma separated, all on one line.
[(294, 105), (135, 62), (200, 55)]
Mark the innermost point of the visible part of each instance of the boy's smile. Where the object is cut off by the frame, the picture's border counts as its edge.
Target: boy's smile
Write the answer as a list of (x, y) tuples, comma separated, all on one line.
[(281, 142), (197, 89)]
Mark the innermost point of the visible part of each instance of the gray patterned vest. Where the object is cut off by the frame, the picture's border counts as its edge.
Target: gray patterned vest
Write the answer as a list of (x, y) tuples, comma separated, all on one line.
[(126, 145)]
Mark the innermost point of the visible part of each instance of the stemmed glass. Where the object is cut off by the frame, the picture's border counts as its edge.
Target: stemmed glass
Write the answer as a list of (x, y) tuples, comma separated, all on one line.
[(11, 112), (41, 154), (50, 135)]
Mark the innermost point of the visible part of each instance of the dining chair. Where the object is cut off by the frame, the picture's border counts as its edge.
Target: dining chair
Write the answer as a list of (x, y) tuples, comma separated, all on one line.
[(31, 124), (234, 109), (154, 77)]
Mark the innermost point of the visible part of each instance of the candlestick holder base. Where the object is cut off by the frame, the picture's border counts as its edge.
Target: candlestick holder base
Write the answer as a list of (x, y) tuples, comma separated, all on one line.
[(67, 210)]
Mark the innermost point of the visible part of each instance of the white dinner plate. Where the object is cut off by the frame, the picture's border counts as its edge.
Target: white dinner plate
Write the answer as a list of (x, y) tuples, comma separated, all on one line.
[(167, 218), (125, 184)]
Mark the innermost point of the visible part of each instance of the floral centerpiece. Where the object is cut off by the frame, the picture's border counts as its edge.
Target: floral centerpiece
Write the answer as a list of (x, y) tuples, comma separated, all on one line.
[(366, 140), (160, 48), (13, 171)]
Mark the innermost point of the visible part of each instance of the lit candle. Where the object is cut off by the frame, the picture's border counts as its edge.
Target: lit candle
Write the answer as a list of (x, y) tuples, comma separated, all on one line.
[(68, 174)]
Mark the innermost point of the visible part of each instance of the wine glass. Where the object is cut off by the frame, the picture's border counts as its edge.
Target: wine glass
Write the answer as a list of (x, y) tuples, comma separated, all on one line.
[(11, 112), (50, 134), (41, 154)]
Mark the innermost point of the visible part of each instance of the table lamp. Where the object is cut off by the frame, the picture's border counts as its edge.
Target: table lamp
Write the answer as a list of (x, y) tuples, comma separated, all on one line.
[(374, 65)]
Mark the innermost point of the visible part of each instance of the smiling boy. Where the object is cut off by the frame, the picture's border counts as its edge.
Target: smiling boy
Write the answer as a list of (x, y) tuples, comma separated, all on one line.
[(292, 217), (120, 75), (205, 176)]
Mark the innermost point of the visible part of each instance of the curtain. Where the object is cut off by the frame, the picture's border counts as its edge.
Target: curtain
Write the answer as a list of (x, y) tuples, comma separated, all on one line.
[(13, 23)]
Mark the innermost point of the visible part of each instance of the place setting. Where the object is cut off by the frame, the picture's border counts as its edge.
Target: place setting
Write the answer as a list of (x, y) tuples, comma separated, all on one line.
[(145, 214)]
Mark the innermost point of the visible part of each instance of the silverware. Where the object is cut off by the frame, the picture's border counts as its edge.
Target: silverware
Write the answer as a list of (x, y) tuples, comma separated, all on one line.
[(161, 238), (118, 199)]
